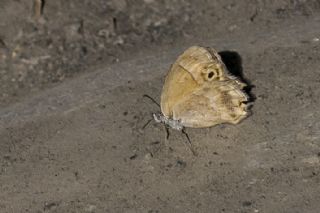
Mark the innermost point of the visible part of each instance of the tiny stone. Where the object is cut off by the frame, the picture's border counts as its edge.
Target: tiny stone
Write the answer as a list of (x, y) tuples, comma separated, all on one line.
[(148, 156), (246, 203)]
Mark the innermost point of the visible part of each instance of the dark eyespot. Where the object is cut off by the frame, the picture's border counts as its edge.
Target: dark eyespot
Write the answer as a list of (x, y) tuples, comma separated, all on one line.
[(210, 74)]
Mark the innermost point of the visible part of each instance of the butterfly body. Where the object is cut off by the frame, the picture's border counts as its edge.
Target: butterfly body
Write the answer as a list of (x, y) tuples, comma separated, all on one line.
[(199, 92), (174, 124)]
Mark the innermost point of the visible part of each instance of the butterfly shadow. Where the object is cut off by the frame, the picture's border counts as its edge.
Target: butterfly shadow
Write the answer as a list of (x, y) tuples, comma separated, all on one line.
[(233, 62)]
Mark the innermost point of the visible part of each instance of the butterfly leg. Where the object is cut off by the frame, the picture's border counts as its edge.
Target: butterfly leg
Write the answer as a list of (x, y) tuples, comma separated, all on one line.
[(147, 123), (189, 144), (166, 141), (167, 132)]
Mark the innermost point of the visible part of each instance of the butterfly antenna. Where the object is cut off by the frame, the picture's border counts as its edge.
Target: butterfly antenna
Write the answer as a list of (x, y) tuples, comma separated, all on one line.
[(146, 124), (189, 144), (147, 96)]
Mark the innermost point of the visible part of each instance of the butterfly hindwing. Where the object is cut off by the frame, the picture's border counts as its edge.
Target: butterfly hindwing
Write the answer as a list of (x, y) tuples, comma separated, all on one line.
[(211, 105)]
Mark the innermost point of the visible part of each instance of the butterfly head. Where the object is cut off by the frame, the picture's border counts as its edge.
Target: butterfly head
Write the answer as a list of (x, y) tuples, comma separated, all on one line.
[(174, 124)]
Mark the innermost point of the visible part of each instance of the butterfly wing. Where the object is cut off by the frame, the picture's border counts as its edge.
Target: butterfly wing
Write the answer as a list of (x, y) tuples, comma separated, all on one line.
[(184, 77), (211, 105), (199, 91), (178, 84)]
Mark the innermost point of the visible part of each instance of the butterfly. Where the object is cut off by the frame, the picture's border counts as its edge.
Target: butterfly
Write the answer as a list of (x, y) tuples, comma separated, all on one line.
[(200, 92)]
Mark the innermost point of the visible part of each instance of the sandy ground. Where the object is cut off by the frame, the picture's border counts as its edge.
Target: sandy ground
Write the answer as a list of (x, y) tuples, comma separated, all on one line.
[(79, 146)]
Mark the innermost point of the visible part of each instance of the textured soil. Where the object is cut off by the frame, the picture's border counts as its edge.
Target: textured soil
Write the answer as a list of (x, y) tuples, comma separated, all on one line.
[(72, 112), (73, 37)]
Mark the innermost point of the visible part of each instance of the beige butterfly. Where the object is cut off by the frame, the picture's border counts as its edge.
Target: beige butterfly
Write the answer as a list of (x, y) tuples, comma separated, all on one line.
[(200, 92)]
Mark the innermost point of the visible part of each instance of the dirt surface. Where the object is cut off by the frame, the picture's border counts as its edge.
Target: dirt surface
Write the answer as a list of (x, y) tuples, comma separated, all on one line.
[(79, 146), (74, 37)]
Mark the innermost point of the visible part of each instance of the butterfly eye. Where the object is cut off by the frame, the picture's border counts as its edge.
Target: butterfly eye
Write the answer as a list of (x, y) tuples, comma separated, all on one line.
[(210, 75)]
